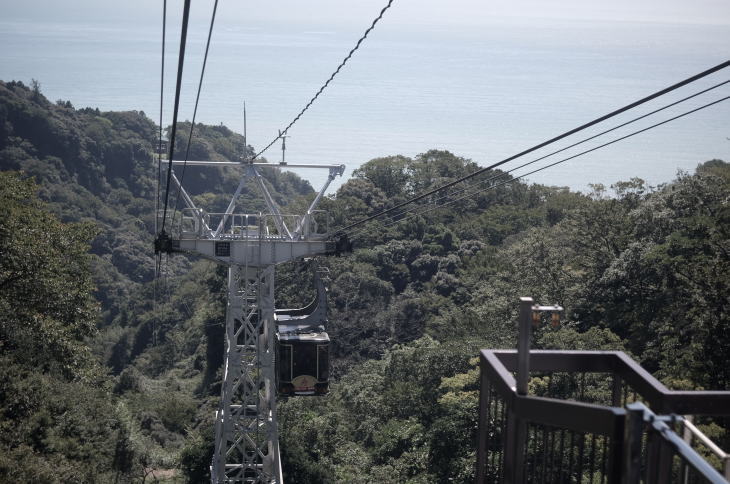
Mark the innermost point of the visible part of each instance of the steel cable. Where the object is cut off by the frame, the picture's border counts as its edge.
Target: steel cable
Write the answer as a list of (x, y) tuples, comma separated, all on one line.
[(158, 257), (195, 110), (643, 116), (162, 92), (173, 132), (314, 98), (600, 119), (429, 209)]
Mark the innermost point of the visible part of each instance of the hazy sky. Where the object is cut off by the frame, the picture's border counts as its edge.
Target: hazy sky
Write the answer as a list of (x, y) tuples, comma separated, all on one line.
[(403, 12)]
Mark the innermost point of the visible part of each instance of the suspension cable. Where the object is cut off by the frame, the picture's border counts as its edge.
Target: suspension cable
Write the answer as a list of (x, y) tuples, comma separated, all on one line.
[(195, 111), (162, 92), (181, 60), (342, 64), (500, 175), (429, 209), (158, 257), (544, 143)]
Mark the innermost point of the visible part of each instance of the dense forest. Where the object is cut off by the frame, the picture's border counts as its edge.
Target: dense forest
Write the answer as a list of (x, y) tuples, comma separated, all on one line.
[(109, 375)]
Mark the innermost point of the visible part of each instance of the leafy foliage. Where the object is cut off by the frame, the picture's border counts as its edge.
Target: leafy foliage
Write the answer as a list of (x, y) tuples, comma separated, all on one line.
[(637, 268), (46, 308), (58, 422)]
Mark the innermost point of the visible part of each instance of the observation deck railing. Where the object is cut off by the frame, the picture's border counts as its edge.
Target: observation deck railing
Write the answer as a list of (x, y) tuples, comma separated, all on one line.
[(585, 420)]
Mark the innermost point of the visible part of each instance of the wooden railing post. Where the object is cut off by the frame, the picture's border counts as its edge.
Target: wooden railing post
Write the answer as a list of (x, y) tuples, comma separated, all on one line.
[(484, 400), (631, 458)]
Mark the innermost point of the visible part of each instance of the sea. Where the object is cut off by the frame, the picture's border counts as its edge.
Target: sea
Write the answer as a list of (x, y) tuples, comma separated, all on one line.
[(483, 92)]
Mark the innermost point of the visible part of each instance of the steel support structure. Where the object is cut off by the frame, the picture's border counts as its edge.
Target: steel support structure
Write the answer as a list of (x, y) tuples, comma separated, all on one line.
[(246, 432), (246, 444)]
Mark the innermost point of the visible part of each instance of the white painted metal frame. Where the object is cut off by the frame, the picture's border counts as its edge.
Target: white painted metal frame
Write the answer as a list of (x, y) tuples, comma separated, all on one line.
[(247, 441), (246, 431)]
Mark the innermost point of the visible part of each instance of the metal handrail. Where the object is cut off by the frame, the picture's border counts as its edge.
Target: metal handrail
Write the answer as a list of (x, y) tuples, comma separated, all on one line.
[(712, 446), (657, 425), (196, 223)]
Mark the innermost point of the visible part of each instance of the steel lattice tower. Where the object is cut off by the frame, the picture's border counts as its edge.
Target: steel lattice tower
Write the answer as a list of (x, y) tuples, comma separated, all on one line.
[(246, 433)]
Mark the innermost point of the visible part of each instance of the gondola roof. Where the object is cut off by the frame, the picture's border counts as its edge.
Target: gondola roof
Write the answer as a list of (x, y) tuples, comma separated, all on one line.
[(303, 332)]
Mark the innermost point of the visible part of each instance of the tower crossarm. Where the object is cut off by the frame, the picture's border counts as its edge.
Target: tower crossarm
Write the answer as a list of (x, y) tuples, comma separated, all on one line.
[(255, 254)]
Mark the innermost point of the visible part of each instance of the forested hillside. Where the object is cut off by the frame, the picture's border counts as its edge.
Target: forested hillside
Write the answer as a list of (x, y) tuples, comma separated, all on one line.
[(90, 176), (637, 268)]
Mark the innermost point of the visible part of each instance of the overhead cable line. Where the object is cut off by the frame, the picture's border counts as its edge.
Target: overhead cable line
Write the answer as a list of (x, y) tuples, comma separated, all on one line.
[(158, 259), (500, 175), (162, 91), (543, 144), (314, 98), (180, 62), (563, 160), (195, 110)]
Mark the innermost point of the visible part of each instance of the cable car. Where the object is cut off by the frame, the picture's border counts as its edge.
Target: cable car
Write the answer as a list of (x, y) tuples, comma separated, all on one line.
[(302, 347)]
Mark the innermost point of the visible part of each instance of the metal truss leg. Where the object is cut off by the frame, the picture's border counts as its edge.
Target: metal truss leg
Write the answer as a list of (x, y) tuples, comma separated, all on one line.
[(247, 442)]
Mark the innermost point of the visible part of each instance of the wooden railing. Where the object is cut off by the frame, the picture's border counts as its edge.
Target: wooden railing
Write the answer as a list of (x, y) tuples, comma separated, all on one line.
[(581, 424)]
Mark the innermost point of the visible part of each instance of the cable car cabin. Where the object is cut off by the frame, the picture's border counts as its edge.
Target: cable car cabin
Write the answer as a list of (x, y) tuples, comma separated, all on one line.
[(302, 360), (302, 346)]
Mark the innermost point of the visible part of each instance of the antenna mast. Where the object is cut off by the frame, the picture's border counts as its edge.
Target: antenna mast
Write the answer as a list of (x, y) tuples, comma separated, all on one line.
[(245, 141), (283, 147)]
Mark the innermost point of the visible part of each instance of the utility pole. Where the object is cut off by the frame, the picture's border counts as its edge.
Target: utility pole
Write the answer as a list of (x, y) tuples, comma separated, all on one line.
[(250, 245)]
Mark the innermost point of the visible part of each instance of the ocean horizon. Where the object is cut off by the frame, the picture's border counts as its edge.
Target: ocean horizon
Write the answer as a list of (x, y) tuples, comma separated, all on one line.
[(481, 93)]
